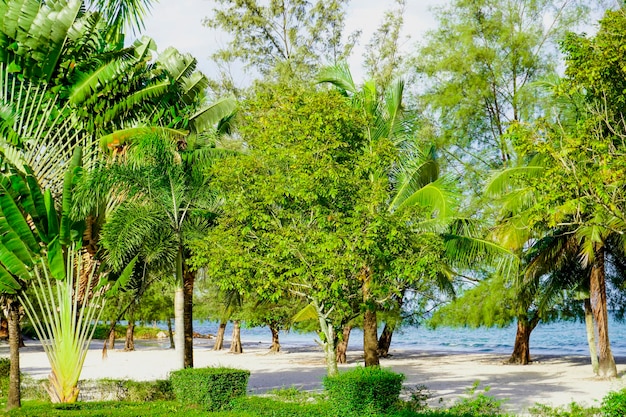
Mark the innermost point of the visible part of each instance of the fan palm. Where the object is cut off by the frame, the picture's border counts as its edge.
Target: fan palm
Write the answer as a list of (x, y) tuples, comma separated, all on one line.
[(39, 148)]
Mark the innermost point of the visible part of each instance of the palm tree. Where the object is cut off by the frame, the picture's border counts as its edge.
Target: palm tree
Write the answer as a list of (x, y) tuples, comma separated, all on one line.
[(166, 201)]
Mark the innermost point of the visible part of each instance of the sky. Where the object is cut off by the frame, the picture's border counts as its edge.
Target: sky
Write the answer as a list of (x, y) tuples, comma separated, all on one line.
[(178, 23)]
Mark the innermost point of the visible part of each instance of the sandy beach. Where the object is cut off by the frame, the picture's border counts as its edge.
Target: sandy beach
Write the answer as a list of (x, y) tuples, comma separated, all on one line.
[(550, 380)]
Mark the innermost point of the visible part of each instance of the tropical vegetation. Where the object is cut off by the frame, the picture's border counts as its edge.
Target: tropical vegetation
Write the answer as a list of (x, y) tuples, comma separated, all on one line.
[(476, 180)]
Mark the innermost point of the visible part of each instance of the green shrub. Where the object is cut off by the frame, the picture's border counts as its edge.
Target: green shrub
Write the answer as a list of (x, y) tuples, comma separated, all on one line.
[(210, 388), (573, 410), (364, 391), (5, 367), (269, 407), (477, 404), (141, 332), (126, 390), (614, 404)]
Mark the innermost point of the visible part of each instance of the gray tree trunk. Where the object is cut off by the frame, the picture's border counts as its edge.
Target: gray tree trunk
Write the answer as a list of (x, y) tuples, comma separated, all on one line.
[(179, 325), (591, 336)]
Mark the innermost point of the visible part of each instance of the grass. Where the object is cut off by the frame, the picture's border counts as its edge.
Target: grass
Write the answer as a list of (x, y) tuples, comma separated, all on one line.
[(247, 407)]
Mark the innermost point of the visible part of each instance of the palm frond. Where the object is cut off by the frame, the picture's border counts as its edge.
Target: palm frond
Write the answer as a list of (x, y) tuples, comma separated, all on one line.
[(435, 197), (338, 75)]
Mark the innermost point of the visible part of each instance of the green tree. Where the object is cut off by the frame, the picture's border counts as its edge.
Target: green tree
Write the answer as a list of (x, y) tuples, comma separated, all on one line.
[(285, 199), (166, 201), (286, 38), (479, 67), (404, 226), (383, 60)]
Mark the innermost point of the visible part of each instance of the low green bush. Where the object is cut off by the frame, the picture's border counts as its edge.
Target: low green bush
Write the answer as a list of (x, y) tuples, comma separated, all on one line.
[(209, 388), (270, 407), (572, 410), (364, 391), (477, 403), (614, 404), (5, 367), (126, 390)]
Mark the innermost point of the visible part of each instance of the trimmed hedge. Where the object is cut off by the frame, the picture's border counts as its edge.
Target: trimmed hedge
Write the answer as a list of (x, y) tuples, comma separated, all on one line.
[(364, 391), (209, 388)]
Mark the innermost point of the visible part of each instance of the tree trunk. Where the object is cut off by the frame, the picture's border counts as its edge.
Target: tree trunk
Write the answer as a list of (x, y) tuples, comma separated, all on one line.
[(235, 343), (129, 343), (597, 288), (521, 348), (370, 338), (370, 329), (329, 343), (111, 340), (170, 333), (275, 348), (190, 277), (342, 346), (13, 318), (591, 336), (179, 333), (384, 341), (219, 338)]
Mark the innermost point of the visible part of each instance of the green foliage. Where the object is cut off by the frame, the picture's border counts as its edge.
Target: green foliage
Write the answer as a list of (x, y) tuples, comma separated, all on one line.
[(363, 390), (209, 388), (288, 39), (5, 366), (418, 397), (65, 321), (268, 407), (573, 410), (133, 391), (614, 404), (489, 303), (111, 409), (141, 332), (477, 404)]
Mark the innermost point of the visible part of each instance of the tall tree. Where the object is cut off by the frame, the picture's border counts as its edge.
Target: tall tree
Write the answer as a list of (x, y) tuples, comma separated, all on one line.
[(479, 66), (286, 38), (285, 201)]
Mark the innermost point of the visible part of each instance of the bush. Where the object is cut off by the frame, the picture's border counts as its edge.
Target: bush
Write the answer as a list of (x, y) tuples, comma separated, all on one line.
[(5, 367), (125, 390), (210, 388), (614, 404), (364, 391), (269, 407), (479, 404), (573, 410)]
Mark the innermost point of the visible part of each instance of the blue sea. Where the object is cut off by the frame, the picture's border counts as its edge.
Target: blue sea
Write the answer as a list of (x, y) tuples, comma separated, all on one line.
[(560, 338)]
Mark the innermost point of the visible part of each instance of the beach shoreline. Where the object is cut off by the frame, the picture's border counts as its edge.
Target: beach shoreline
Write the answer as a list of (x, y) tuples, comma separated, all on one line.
[(550, 379)]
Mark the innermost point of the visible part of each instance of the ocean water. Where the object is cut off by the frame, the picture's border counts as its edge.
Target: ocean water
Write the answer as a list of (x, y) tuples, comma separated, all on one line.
[(560, 338)]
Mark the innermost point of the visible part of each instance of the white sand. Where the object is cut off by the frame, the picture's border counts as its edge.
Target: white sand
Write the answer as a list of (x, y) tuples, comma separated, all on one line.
[(554, 381)]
